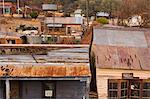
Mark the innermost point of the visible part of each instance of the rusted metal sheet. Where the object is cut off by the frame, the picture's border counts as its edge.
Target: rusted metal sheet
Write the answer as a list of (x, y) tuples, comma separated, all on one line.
[(134, 58), (41, 49), (122, 48), (21, 70), (144, 58), (122, 57), (102, 58), (44, 60), (113, 56)]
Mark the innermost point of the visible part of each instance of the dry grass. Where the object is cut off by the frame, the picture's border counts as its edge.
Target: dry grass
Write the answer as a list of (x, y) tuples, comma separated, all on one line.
[(9, 24)]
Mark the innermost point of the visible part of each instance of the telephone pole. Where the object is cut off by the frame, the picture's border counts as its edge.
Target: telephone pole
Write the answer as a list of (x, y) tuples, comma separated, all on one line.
[(3, 7), (87, 13), (18, 4)]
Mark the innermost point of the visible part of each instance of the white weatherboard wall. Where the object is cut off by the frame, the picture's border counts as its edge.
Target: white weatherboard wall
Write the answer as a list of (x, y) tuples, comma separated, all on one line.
[(102, 87), (104, 74)]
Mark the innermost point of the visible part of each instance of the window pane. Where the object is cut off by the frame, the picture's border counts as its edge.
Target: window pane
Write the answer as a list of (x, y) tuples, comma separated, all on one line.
[(135, 93), (123, 85), (146, 94), (113, 94), (123, 92), (146, 86), (135, 85), (113, 86)]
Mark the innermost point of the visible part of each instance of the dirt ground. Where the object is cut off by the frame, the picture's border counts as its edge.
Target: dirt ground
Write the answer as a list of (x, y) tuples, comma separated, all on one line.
[(9, 24)]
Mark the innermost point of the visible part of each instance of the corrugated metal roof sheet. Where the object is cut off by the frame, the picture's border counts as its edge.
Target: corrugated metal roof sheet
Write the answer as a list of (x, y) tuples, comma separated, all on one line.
[(28, 70), (133, 51), (120, 38), (9, 35), (64, 20), (122, 57), (42, 60)]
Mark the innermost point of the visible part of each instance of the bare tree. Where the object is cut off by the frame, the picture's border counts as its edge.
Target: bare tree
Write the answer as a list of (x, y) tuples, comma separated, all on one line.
[(130, 8)]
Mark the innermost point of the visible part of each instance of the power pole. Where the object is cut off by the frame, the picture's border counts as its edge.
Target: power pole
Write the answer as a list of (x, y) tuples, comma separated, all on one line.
[(18, 4), (3, 7), (87, 13)]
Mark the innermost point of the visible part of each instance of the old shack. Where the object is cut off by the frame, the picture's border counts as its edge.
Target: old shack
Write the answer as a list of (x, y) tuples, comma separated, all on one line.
[(122, 60), (44, 72)]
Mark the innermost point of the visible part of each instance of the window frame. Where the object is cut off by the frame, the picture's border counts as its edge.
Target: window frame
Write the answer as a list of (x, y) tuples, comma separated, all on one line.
[(148, 89), (129, 82)]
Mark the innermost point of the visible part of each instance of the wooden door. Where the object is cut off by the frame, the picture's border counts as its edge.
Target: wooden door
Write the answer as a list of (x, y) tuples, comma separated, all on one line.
[(14, 90)]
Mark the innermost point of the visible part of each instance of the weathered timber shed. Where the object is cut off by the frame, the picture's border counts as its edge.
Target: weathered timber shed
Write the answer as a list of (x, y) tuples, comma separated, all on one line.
[(122, 61), (10, 38), (44, 72)]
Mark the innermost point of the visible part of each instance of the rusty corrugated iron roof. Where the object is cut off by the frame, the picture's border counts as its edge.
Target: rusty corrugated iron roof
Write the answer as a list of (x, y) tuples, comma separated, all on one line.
[(122, 49), (42, 70), (44, 60), (122, 57)]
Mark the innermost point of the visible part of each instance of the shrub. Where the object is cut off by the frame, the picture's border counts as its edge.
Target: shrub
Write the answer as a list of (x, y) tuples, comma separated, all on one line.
[(34, 14), (102, 20)]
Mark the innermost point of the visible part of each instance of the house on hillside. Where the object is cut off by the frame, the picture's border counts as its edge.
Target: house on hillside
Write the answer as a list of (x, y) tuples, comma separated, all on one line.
[(64, 27), (44, 72), (135, 21), (10, 38), (102, 14), (9, 6), (122, 61), (78, 13)]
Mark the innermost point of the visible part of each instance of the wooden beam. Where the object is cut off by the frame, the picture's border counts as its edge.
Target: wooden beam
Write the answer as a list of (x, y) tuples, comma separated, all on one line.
[(87, 88), (7, 83)]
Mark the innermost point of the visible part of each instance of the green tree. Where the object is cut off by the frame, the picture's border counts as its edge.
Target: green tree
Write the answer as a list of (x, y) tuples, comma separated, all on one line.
[(34, 14), (130, 8)]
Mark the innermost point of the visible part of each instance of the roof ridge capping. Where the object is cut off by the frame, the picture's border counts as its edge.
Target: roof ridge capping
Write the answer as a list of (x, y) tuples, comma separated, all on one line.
[(113, 27)]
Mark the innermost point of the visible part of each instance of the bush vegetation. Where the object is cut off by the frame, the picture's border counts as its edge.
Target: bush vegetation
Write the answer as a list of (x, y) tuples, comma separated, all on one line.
[(34, 14), (102, 20)]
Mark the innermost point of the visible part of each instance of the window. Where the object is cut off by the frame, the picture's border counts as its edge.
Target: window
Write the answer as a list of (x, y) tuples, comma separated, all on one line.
[(49, 90), (124, 90), (146, 90), (129, 89), (118, 89), (7, 10), (113, 90), (11, 41), (135, 89)]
